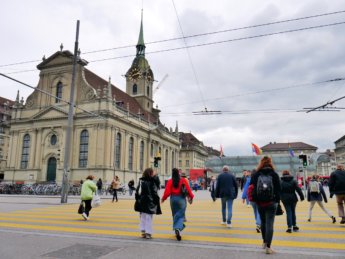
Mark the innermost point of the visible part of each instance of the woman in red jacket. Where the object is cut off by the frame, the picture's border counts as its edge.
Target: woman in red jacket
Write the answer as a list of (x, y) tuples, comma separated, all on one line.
[(178, 188)]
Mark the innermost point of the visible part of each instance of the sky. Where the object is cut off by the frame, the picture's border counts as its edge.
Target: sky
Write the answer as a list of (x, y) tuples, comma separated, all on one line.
[(259, 85)]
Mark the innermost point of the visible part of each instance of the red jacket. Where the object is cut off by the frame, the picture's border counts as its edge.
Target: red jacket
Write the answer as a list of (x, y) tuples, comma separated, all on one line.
[(171, 190)]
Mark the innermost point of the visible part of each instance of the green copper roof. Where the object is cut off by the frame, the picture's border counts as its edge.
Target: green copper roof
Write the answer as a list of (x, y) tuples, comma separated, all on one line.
[(141, 34)]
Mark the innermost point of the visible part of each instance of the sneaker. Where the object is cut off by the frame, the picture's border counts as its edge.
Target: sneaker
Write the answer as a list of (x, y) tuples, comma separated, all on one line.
[(84, 216), (269, 250), (148, 236), (342, 221), (258, 228), (289, 230), (333, 219), (223, 223), (295, 228), (309, 220), (228, 225), (143, 234), (178, 234)]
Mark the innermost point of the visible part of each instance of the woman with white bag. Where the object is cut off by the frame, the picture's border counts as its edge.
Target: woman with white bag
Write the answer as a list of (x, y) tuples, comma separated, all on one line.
[(87, 190)]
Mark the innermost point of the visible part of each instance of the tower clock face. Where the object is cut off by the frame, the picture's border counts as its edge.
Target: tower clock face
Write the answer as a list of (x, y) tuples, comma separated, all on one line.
[(134, 74)]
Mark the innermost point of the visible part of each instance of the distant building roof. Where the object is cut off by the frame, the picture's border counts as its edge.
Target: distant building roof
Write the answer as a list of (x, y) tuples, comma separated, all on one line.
[(341, 139), (188, 139), (212, 152), (285, 146)]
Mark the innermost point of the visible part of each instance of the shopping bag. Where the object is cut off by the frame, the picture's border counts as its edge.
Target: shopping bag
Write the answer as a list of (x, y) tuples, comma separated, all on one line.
[(279, 210), (96, 201), (81, 208)]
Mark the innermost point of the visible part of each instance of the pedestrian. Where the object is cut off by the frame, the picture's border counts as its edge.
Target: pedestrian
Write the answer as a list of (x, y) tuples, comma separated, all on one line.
[(146, 197), (243, 179), (131, 187), (289, 187), (87, 191), (337, 186), (316, 194), (266, 194), (115, 185), (227, 190), (245, 188), (213, 185), (99, 186), (245, 196), (178, 188)]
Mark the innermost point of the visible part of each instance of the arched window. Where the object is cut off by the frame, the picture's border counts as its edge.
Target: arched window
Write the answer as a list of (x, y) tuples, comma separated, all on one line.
[(58, 92), (25, 152), (118, 151), (130, 154), (84, 148), (141, 155), (135, 89), (166, 161)]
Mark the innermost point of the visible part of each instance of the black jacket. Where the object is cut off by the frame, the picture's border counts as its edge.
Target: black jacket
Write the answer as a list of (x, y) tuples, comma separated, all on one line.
[(275, 181), (146, 194), (337, 182), (226, 186), (289, 187)]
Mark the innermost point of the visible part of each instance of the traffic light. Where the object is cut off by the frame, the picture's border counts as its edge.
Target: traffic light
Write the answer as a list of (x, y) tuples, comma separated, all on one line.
[(304, 160), (155, 161)]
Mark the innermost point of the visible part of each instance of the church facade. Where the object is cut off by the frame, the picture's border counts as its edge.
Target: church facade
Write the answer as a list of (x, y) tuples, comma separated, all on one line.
[(113, 132)]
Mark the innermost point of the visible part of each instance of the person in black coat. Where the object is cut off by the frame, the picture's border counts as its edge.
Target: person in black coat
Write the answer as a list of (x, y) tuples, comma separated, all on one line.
[(267, 205), (288, 196), (227, 190), (337, 186), (146, 202)]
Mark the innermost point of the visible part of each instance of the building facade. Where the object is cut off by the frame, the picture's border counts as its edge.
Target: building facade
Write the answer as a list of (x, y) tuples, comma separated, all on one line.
[(285, 149), (5, 117), (193, 153), (113, 132), (340, 150)]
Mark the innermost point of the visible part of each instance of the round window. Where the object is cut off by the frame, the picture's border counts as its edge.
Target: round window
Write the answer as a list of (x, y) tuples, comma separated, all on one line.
[(53, 140)]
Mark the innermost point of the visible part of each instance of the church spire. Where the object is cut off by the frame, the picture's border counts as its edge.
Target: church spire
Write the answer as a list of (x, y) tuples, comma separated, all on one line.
[(141, 45)]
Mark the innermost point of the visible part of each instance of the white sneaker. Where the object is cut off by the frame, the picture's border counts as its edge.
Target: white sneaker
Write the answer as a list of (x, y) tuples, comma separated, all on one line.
[(228, 225), (85, 216), (223, 223)]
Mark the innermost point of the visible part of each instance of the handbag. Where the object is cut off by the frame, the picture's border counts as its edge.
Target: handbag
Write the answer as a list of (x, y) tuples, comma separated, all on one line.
[(96, 201), (279, 210), (184, 190), (81, 208)]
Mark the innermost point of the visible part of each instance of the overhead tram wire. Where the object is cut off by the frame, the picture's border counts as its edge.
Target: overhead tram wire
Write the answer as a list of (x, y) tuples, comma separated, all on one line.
[(49, 94), (189, 57), (260, 91), (193, 36)]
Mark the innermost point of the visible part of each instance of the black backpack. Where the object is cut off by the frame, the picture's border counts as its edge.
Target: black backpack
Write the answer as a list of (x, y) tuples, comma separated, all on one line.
[(265, 189)]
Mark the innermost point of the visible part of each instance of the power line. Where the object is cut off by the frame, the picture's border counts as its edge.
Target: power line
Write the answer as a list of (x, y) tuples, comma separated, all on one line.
[(189, 57), (49, 94), (194, 35), (261, 91)]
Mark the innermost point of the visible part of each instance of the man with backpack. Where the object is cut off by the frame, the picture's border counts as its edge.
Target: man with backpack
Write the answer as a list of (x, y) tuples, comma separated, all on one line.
[(266, 194), (316, 194), (337, 186)]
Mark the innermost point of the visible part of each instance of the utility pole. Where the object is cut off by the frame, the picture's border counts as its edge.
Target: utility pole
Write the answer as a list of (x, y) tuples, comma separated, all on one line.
[(67, 153)]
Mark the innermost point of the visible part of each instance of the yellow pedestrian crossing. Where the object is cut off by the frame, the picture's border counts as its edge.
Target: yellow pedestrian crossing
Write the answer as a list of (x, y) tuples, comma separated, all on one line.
[(203, 224)]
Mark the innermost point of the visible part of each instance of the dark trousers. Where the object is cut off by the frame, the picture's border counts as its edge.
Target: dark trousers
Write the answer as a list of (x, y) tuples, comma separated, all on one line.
[(290, 213), (267, 215), (87, 207), (114, 194)]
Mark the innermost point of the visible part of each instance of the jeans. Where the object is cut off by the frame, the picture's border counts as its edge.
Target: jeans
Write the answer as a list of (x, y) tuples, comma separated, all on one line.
[(340, 203), (267, 215), (87, 207), (320, 203), (178, 207), (290, 213), (130, 191), (227, 202), (256, 213), (114, 194)]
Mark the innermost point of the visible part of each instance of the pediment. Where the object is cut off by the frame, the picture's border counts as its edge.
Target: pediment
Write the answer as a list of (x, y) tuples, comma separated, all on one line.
[(50, 113), (59, 58)]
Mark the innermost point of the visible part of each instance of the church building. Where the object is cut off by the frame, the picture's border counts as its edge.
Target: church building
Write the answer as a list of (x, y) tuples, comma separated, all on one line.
[(113, 132)]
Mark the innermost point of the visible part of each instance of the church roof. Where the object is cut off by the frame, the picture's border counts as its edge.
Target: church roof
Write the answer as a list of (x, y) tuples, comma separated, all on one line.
[(98, 83)]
